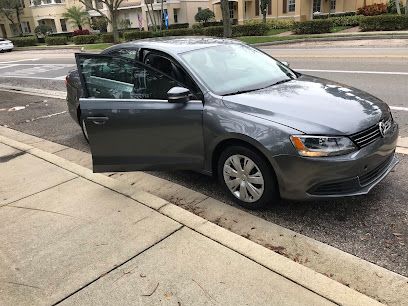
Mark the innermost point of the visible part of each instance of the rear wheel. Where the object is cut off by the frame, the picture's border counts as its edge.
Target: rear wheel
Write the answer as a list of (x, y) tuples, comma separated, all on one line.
[(247, 177)]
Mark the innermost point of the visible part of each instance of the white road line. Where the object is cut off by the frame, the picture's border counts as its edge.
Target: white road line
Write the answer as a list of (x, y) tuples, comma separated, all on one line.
[(50, 64), (28, 77), (22, 60), (60, 77), (353, 71), (8, 66), (399, 108)]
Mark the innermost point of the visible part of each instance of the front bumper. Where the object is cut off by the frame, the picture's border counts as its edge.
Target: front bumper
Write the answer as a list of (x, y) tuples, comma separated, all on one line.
[(354, 174)]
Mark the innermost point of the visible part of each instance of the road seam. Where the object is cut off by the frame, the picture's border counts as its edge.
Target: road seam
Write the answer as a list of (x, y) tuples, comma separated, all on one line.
[(322, 285)]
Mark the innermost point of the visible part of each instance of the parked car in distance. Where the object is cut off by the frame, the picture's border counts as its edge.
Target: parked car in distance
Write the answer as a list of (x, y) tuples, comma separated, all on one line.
[(6, 45), (226, 109)]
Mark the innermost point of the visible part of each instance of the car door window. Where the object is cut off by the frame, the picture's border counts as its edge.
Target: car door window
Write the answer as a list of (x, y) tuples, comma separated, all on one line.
[(119, 78), (171, 69)]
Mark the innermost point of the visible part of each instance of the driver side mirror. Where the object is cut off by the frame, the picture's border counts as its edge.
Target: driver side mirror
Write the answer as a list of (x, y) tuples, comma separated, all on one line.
[(178, 95)]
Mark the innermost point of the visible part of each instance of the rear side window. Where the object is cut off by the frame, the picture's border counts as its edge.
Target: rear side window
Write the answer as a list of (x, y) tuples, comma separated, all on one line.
[(117, 78), (126, 53)]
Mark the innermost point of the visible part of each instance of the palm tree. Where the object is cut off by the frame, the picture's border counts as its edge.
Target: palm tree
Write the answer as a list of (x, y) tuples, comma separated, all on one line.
[(77, 16)]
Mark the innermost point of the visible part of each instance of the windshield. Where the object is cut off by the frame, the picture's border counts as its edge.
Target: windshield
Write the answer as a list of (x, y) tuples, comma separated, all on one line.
[(231, 69)]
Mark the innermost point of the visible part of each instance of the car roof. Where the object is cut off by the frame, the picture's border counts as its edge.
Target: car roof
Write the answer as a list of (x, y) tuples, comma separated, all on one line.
[(176, 45)]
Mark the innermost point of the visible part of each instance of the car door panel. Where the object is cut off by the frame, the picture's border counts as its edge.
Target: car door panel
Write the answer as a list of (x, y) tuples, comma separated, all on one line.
[(130, 130)]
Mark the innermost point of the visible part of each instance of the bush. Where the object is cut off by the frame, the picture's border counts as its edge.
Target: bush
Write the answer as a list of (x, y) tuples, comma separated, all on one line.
[(373, 9), (259, 29), (85, 39), (107, 37), (274, 23), (352, 21), (42, 29), (132, 35), (24, 41), (313, 26), (177, 32), (204, 15), (213, 31), (392, 8), (384, 23), (331, 15), (178, 26), (81, 32), (55, 40)]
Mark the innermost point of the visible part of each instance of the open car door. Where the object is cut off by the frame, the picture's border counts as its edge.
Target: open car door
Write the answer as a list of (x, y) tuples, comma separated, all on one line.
[(131, 123)]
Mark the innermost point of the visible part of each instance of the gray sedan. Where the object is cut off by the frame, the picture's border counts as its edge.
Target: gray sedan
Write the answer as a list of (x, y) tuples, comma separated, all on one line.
[(226, 109)]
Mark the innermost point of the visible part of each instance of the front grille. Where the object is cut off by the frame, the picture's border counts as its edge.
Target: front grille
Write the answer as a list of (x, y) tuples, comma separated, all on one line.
[(372, 175), (364, 138)]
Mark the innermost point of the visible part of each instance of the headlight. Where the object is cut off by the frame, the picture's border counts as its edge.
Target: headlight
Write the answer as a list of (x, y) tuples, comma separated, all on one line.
[(315, 146)]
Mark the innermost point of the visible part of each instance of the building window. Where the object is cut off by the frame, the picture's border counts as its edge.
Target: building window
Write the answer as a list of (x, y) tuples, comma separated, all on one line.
[(231, 9), (256, 7), (22, 3), (332, 6), (317, 6), (25, 26), (291, 5), (175, 15), (14, 29), (63, 25), (199, 9), (270, 7)]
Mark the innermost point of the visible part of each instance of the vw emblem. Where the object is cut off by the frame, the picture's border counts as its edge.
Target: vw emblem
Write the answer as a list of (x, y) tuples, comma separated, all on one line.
[(384, 127)]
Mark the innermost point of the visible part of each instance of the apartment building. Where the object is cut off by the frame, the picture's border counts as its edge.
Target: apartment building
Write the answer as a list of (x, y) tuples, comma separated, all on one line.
[(136, 13)]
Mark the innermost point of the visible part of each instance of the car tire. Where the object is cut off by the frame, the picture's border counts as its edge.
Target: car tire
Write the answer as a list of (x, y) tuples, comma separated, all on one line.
[(253, 187), (84, 130)]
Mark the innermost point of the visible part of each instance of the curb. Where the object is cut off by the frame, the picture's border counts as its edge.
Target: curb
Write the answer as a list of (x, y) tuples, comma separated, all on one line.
[(333, 38), (279, 264)]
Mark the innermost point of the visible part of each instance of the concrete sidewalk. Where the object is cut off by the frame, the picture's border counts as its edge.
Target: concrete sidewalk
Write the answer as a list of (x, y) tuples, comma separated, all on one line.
[(73, 237)]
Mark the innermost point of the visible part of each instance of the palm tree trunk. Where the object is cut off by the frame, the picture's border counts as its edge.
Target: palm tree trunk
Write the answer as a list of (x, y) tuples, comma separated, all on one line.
[(397, 5), (226, 18), (115, 27), (406, 7), (161, 15)]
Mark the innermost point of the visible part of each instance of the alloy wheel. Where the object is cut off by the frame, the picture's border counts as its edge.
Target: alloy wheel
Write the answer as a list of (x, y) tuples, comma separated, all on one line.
[(243, 178)]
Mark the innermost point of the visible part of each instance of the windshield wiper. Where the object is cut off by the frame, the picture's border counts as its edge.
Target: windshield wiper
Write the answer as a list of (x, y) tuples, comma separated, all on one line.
[(249, 90)]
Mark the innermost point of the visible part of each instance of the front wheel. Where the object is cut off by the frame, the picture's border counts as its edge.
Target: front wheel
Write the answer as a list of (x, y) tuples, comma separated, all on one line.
[(247, 177)]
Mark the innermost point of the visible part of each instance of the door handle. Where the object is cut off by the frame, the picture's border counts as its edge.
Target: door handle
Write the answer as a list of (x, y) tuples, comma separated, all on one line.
[(98, 120)]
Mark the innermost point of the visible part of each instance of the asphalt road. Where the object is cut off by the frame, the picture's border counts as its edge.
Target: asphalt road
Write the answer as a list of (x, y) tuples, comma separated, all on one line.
[(373, 227)]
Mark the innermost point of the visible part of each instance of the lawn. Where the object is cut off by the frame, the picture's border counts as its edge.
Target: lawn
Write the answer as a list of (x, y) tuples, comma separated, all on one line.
[(95, 47), (276, 31)]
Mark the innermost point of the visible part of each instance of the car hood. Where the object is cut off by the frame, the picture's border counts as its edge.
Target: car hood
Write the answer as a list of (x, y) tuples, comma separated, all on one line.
[(313, 106)]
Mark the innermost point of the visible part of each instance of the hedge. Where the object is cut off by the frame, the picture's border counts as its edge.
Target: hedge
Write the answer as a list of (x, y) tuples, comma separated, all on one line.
[(218, 31), (273, 23), (352, 21), (132, 35), (57, 40), (250, 30), (107, 37), (178, 26), (85, 39), (24, 41), (384, 23), (313, 26)]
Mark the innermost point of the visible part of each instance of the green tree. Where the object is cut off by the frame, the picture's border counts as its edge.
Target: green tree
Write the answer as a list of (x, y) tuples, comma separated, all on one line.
[(112, 15), (12, 9), (204, 15), (77, 16), (226, 20)]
